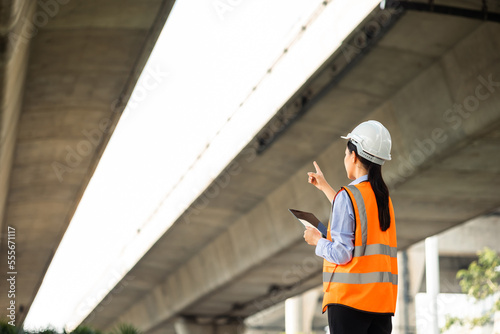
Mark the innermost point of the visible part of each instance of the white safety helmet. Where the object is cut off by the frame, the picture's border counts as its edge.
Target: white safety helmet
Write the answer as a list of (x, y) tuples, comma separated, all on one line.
[(372, 140)]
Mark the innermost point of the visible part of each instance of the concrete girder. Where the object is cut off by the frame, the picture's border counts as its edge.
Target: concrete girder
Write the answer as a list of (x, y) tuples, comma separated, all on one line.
[(14, 54), (13, 62), (83, 61), (437, 178)]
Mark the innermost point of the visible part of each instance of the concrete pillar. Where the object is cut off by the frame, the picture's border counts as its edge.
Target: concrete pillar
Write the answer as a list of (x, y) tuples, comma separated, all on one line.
[(411, 263), (299, 312), (180, 326), (401, 323), (432, 280), (293, 315), (309, 309)]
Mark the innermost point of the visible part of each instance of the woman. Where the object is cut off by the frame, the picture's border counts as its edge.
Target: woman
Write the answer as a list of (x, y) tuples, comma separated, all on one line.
[(360, 251)]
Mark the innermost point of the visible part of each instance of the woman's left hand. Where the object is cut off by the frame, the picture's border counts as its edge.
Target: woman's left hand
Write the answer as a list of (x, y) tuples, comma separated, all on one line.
[(312, 236)]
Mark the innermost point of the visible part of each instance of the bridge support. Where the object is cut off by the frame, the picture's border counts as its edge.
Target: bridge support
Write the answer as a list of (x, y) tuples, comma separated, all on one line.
[(432, 280), (299, 312), (293, 315), (411, 263)]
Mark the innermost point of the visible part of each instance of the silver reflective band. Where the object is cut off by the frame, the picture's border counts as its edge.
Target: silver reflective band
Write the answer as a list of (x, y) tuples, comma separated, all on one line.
[(352, 278), (375, 249), (362, 216)]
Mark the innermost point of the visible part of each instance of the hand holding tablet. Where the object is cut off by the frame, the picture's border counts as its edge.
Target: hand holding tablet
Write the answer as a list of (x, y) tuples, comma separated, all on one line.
[(306, 218)]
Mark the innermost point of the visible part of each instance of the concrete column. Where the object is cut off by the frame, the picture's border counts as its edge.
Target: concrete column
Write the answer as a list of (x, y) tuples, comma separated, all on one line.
[(401, 323), (293, 315), (432, 280), (309, 303), (411, 263), (181, 326), (299, 312)]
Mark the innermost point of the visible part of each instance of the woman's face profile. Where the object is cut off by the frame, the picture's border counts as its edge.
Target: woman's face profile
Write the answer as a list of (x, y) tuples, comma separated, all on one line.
[(349, 163)]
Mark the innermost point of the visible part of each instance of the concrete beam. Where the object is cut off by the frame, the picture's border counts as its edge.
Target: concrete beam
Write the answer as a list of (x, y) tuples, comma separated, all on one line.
[(13, 64), (437, 178), (472, 237), (14, 22), (83, 61), (225, 258), (412, 112)]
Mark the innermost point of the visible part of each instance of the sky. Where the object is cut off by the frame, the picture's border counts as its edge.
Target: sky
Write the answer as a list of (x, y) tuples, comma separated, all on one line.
[(193, 109)]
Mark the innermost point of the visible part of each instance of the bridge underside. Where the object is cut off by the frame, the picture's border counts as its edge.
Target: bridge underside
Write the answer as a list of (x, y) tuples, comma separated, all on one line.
[(67, 69), (433, 79)]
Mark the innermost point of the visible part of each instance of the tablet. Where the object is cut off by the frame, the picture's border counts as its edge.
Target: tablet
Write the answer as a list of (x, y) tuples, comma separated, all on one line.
[(306, 218)]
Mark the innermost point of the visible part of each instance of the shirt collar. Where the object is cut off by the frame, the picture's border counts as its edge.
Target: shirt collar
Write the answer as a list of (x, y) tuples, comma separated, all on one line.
[(359, 180)]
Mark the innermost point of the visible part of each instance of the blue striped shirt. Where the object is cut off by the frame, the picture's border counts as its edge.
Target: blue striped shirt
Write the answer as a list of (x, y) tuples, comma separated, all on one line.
[(343, 223)]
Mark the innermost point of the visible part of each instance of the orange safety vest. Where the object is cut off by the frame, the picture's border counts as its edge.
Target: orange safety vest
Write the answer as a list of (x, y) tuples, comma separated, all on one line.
[(369, 282)]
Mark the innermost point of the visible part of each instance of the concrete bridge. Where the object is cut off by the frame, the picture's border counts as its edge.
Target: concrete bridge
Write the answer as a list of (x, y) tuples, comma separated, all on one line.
[(66, 66), (429, 71)]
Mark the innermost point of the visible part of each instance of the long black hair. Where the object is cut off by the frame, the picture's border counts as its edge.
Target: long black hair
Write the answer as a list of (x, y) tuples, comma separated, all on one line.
[(379, 187)]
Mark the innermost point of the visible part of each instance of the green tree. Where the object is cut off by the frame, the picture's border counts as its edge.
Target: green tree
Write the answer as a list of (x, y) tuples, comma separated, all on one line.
[(126, 329), (85, 330), (479, 281), (5, 328)]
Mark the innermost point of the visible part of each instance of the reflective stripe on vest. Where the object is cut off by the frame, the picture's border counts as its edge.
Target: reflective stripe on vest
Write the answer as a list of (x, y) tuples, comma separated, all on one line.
[(369, 281), (353, 278), (362, 216), (375, 249)]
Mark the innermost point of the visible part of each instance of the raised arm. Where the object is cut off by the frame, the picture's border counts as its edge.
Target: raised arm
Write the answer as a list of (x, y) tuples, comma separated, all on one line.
[(318, 180)]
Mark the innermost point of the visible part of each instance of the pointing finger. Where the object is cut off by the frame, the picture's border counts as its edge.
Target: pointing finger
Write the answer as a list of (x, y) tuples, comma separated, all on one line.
[(318, 170)]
